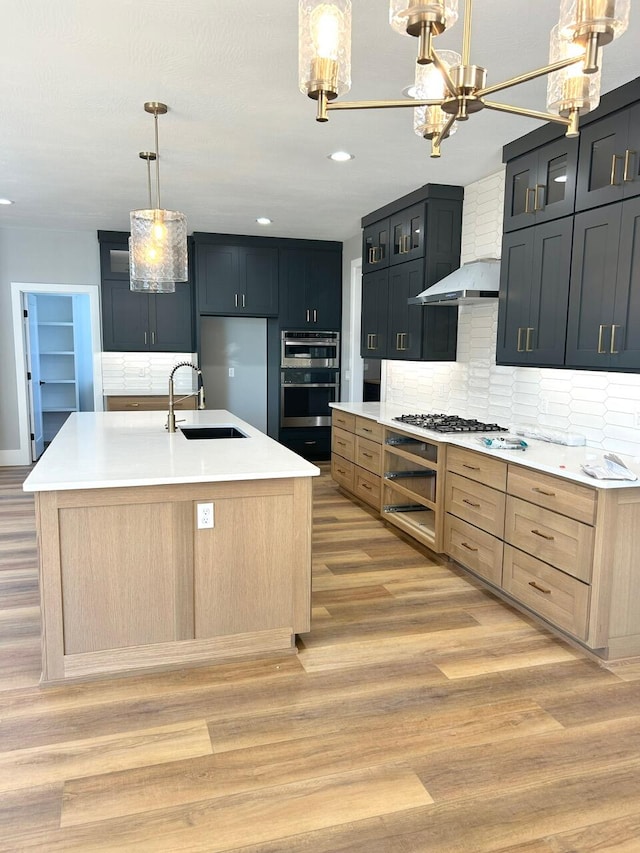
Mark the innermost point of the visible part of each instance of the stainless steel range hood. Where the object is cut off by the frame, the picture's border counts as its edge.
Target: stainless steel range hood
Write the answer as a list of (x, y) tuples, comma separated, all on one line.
[(472, 282)]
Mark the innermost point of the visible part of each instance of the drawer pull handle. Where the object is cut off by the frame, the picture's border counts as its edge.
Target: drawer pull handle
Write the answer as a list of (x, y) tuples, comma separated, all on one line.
[(470, 467), (539, 588), (366, 429), (133, 405), (543, 535), (469, 503), (341, 471), (341, 443), (468, 547), (366, 486), (542, 492), (368, 455)]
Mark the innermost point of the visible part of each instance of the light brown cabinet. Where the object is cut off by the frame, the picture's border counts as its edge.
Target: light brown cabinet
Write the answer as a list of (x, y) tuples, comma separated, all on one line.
[(146, 403), (128, 581), (356, 455), (563, 550)]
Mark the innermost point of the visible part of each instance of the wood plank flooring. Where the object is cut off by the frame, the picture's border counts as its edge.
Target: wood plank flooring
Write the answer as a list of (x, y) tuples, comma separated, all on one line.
[(421, 715)]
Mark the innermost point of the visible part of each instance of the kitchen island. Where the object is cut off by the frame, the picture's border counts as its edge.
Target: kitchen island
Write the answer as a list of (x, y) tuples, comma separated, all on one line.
[(131, 580)]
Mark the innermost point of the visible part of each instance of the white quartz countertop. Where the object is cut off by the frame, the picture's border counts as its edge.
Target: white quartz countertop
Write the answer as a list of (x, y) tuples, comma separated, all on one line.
[(557, 459), (97, 450)]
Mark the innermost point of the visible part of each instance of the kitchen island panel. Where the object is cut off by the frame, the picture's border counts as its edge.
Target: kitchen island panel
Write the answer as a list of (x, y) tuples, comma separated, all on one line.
[(244, 568), (106, 607)]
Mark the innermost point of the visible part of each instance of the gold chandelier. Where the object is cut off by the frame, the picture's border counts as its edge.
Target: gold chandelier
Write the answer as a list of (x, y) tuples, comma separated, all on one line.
[(448, 88)]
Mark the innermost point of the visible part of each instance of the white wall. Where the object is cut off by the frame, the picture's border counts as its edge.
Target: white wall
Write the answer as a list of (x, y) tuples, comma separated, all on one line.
[(601, 406), (351, 251), (35, 256)]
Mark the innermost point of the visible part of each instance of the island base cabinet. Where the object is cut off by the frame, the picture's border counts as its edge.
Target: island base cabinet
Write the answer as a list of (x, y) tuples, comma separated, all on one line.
[(129, 583), (244, 577)]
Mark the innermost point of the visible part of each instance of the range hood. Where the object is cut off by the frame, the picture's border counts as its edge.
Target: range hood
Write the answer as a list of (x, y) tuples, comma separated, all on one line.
[(472, 282)]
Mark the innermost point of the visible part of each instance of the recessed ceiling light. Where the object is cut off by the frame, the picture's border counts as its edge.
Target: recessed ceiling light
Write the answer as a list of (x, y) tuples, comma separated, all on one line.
[(341, 156), (410, 91), (5, 201), (263, 220)]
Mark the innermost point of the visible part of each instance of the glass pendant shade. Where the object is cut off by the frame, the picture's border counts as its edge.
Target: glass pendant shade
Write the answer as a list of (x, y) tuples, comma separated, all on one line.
[(324, 47), (430, 85), (405, 16), (570, 89), (608, 18), (158, 246)]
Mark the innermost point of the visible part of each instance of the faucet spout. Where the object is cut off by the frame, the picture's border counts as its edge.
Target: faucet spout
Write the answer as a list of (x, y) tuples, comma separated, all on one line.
[(171, 419)]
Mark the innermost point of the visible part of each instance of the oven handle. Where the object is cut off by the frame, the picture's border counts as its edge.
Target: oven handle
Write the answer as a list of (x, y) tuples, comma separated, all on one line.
[(311, 341), (310, 385)]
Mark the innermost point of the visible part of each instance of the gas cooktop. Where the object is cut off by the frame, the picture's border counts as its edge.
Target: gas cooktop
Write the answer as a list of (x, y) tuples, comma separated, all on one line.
[(448, 423)]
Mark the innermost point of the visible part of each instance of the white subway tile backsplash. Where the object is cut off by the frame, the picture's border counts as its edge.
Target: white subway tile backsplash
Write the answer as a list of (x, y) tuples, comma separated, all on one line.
[(145, 372)]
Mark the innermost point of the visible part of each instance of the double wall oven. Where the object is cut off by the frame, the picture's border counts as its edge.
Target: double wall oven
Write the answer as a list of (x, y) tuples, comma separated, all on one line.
[(309, 378)]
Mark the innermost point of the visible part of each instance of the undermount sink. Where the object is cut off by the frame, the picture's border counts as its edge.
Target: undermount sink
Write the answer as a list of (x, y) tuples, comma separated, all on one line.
[(208, 432)]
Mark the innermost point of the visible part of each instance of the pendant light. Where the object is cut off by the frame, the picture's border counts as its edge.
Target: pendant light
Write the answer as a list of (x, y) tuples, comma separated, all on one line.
[(158, 243), (149, 286)]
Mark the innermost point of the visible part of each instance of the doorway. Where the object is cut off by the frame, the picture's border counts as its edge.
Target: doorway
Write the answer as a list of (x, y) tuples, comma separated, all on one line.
[(58, 363)]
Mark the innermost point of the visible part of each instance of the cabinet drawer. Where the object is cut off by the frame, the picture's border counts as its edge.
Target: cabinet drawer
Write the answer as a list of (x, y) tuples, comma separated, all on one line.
[(561, 599), (368, 429), (563, 542), (343, 442), (561, 496), (473, 548), (343, 420), (476, 466), (367, 486), (480, 505), (146, 403), (368, 455), (342, 471)]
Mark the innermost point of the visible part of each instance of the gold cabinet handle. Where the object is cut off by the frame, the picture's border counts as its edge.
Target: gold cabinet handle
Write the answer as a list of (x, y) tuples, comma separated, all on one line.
[(468, 547), (370, 255), (614, 163), (145, 337), (612, 348), (527, 195), (153, 337), (308, 315), (368, 455), (527, 346), (543, 535), (243, 301), (235, 300), (376, 256), (539, 588), (340, 470), (519, 346), (398, 341), (315, 315), (539, 189), (341, 443), (601, 329), (365, 486), (132, 405), (469, 503), (628, 154), (542, 492)]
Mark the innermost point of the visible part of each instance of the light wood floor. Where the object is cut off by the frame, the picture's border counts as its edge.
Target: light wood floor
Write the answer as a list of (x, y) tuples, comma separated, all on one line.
[(420, 715)]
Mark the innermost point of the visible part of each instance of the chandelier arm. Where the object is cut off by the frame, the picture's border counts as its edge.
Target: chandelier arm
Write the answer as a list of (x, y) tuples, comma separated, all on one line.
[(529, 75), (521, 111), (375, 105), (442, 68), (444, 130), (466, 32)]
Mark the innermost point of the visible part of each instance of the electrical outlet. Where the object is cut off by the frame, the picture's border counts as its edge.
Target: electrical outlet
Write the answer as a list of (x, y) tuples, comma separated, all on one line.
[(232, 372), (544, 406), (205, 516)]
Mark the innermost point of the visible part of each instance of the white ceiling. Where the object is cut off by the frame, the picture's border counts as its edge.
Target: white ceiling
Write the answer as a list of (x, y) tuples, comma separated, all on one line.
[(239, 139)]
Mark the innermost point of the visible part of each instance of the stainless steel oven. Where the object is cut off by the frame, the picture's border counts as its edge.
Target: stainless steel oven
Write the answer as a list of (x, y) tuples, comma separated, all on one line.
[(305, 396), (310, 349)]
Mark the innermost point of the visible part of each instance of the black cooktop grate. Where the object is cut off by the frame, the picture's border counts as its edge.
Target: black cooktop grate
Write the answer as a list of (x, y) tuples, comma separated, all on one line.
[(448, 423)]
